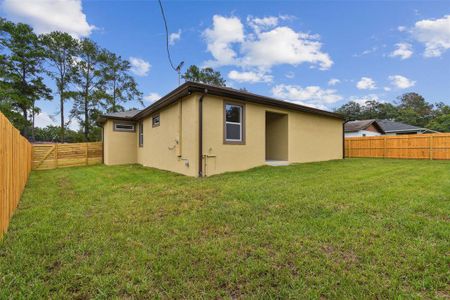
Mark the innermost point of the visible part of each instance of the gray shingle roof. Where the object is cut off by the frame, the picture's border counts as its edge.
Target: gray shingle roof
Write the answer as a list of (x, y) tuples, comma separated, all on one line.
[(385, 125), (189, 87), (391, 126), (123, 114), (357, 125)]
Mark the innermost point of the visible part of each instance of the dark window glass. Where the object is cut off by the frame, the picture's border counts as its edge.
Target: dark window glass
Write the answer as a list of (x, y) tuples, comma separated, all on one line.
[(124, 127), (233, 131), (233, 113)]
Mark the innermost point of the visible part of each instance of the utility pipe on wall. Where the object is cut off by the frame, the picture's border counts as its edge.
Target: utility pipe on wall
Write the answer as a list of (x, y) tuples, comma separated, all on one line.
[(200, 133)]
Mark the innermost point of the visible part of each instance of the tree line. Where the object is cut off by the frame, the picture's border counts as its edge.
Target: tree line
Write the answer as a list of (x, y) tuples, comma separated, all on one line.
[(93, 78), (411, 108)]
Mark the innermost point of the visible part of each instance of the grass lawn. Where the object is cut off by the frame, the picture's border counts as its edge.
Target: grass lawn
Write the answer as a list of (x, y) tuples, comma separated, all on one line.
[(359, 228)]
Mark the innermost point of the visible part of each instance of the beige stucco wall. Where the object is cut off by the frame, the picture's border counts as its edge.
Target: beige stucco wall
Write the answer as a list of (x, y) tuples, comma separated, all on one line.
[(119, 147), (277, 146), (314, 138), (173, 145), (311, 137)]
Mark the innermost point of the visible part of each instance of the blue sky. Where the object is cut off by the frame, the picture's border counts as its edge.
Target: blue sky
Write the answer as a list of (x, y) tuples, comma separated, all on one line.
[(318, 53)]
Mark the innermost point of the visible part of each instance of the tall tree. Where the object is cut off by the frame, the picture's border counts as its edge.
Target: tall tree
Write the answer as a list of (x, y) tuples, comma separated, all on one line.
[(441, 118), (61, 52), (351, 111), (414, 109), (118, 86), (23, 70), (205, 75), (87, 79), (372, 109)]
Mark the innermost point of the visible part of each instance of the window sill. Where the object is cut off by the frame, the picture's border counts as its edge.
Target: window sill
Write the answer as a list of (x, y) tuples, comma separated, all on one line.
[(234, 142)]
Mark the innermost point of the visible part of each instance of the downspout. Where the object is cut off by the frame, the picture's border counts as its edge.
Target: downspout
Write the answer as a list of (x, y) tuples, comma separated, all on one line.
[(200, 134), (103, 144), (343, 139), (180, 128)]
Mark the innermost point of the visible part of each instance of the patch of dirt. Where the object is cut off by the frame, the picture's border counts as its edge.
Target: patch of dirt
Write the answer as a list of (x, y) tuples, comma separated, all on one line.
[(339, 255), (54, 267), (66, 188)]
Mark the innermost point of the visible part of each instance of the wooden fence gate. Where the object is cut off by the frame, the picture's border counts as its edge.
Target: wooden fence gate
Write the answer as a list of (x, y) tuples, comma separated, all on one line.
[(51, 156)]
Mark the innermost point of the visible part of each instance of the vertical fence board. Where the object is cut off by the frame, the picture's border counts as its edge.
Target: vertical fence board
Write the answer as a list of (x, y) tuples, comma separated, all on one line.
[(411, 146), (15, 167)]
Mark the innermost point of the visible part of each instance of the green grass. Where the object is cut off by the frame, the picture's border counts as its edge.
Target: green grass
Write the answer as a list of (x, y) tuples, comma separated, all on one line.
[(357, 228)]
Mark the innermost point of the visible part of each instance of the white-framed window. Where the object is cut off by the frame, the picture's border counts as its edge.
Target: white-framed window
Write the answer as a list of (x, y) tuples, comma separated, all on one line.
[(123, 126), (234, 123), (155, 121)]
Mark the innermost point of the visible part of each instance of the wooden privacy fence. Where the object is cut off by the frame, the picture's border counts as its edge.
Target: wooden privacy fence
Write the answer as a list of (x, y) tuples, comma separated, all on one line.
[(411, 146), (15, 166), (51, 156)]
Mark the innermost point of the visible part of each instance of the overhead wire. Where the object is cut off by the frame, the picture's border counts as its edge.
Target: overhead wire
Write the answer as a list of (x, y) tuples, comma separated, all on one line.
[(167, 36)]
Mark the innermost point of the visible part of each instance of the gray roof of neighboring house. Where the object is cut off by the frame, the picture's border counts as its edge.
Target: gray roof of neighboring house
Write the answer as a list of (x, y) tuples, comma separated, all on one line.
[(352, 126), (188, 88), (385, 126), (391, 126)]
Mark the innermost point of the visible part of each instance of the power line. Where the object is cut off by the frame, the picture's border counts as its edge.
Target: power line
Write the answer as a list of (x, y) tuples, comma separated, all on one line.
[(167, 37)]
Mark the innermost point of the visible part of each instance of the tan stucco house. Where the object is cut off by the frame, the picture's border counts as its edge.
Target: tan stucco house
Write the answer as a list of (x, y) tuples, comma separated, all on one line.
[(202, 130)]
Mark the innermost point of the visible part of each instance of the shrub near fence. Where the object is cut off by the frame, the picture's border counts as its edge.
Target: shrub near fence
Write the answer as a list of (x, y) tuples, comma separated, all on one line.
[(15, 166), (51, 156), (411, 146)]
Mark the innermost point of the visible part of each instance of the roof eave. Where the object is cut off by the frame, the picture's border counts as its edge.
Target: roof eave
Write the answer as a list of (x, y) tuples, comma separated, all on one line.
[(406, 130), (191, 87), (103, 118)]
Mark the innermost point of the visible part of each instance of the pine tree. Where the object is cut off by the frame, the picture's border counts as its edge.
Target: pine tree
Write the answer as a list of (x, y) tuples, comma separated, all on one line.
[(61, 52), (118, 86)]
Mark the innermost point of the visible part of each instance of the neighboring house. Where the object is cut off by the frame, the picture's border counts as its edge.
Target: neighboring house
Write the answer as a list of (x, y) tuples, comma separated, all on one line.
[(201, 130), (381, 127)]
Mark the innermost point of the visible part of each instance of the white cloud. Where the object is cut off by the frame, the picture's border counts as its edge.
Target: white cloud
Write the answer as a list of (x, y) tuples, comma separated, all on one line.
[(282, 45), (287, 17), (259, 24), (50, 15), (152, 97), (139, 66), (366, 52), (251, 77), (401, 28), (387, 89), (313, 96), (403, 50), (366, 83), (290, 75), (434, 34), (74, 124), (174, 37), (401, 82), (333, 81), (221, 36), (44, 119), (363, 99), (265, 46)]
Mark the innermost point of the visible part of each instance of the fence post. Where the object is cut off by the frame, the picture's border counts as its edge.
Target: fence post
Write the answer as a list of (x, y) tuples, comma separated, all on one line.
[(87, 159), (431, 147), (384, 146), (56, 155)]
